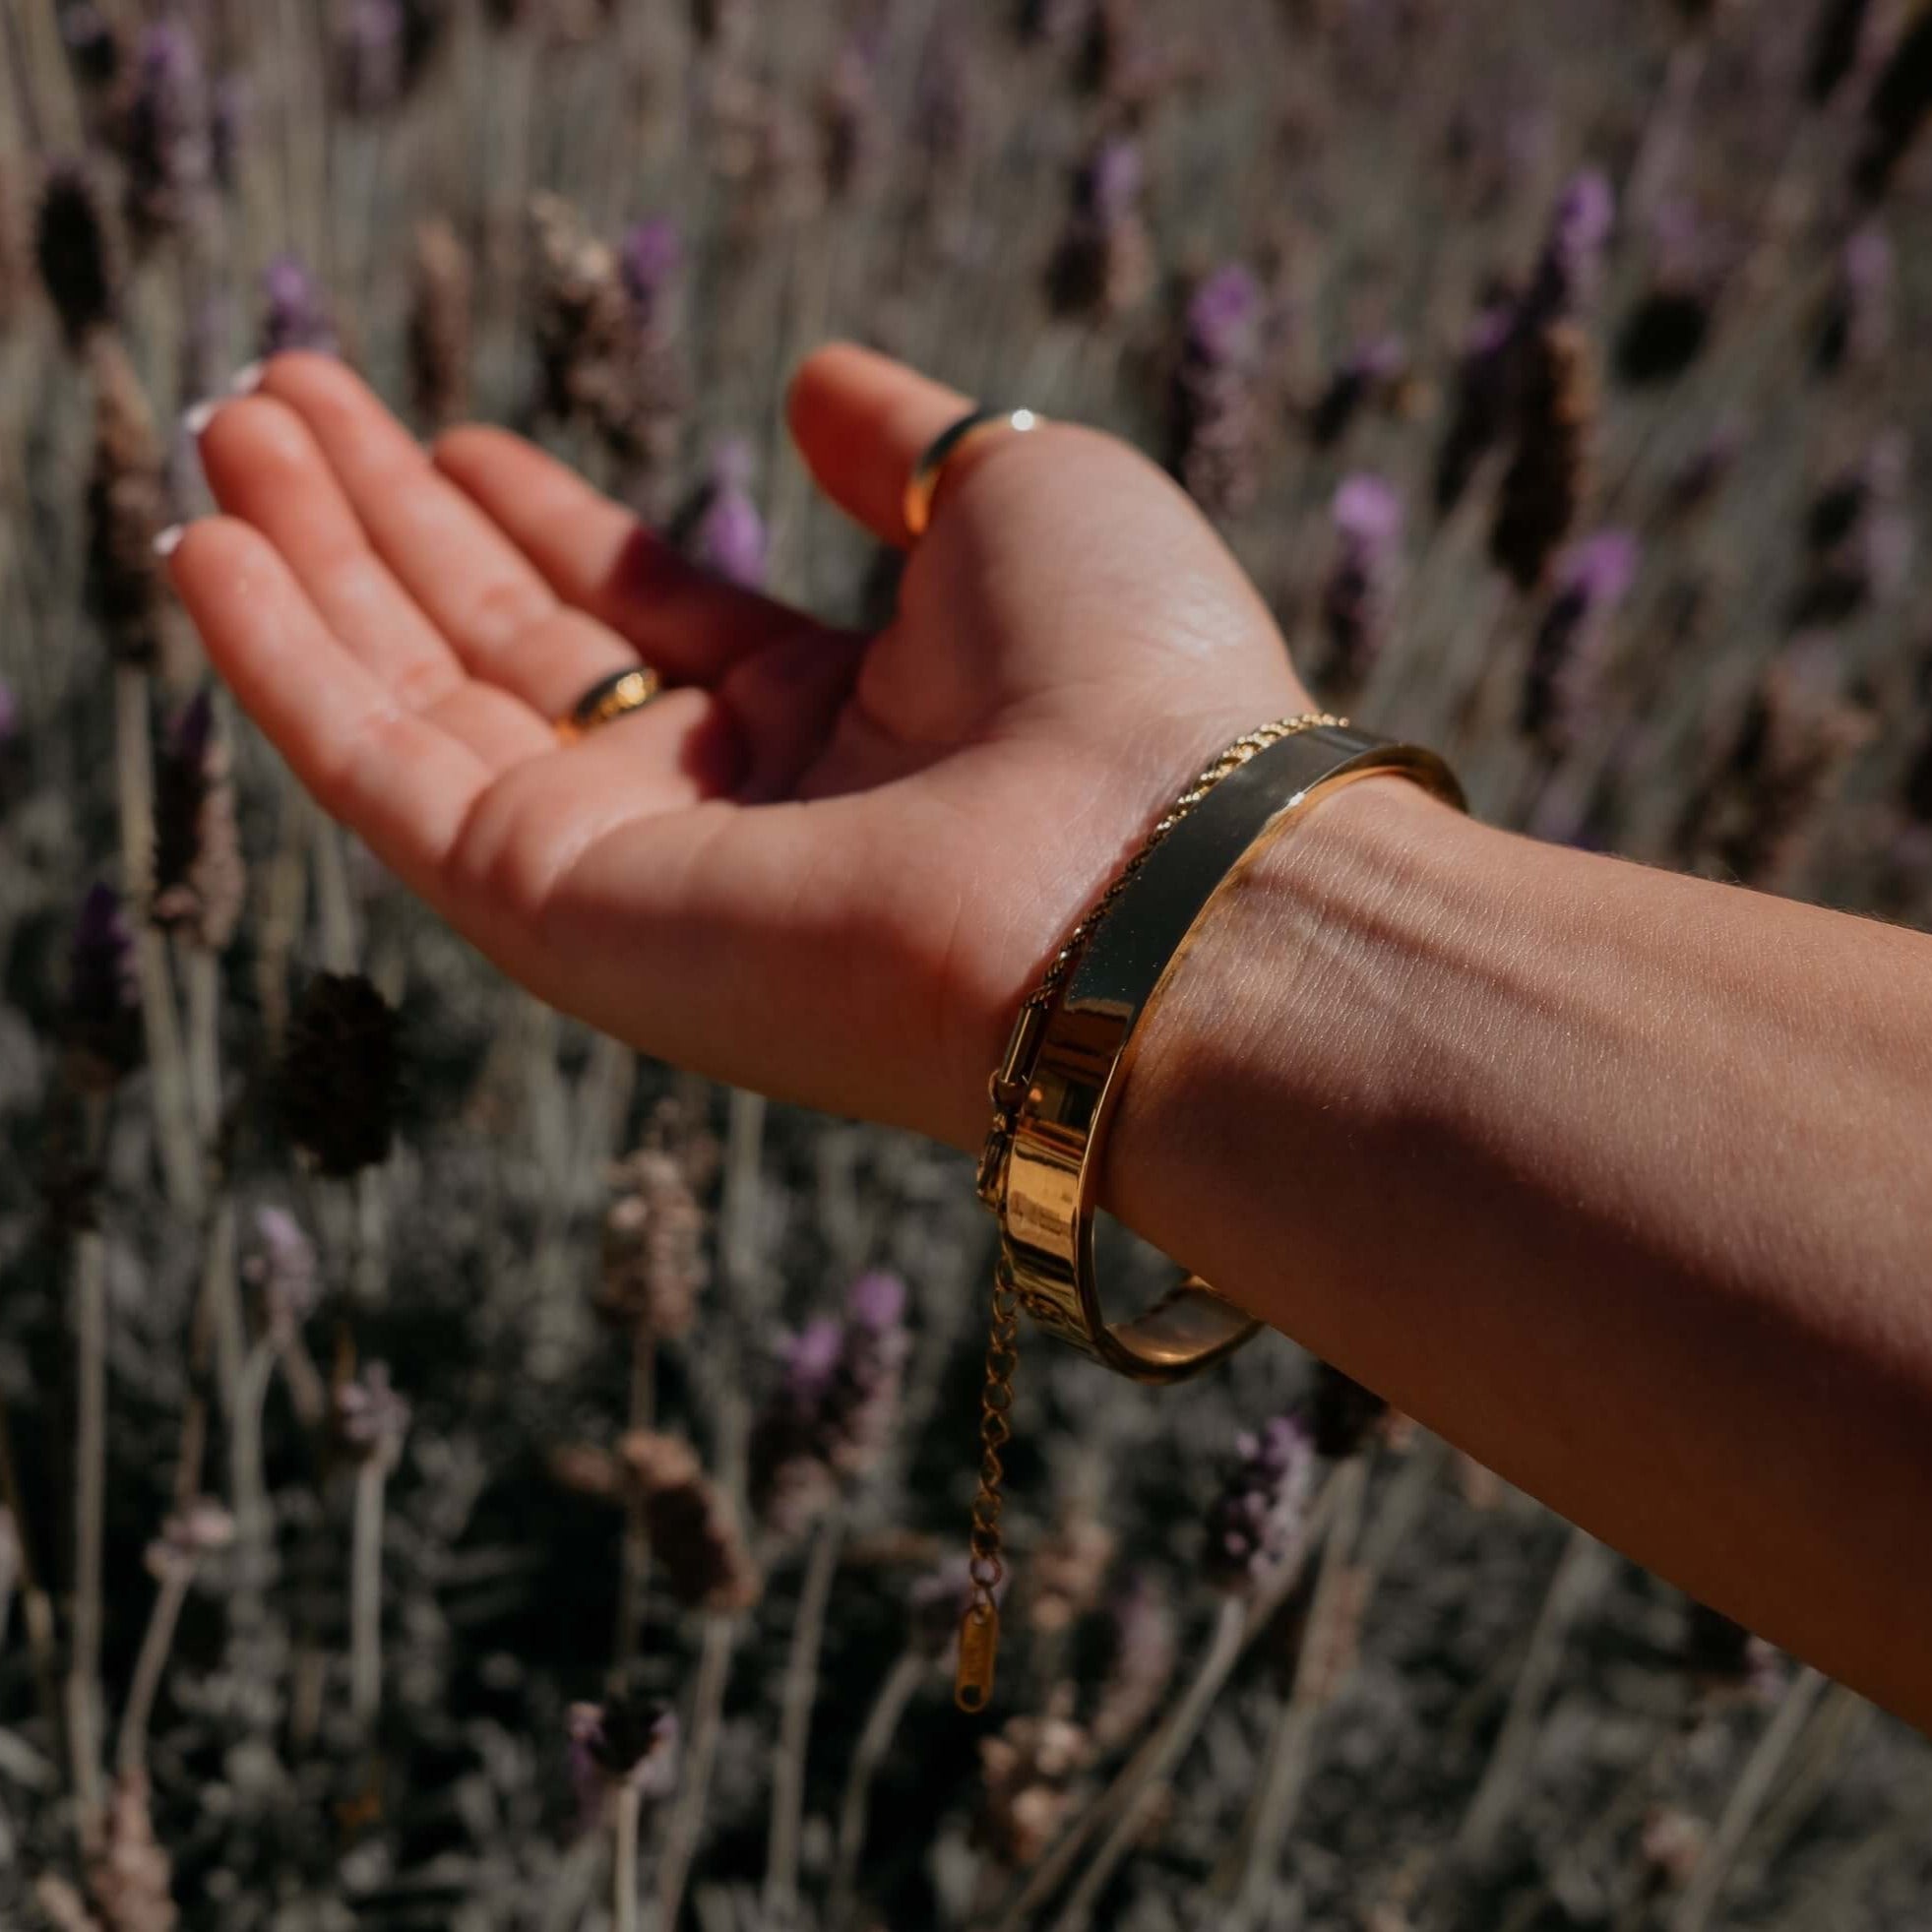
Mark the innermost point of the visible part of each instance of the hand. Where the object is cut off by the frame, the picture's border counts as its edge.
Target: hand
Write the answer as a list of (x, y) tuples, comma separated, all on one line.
[(826, 866)]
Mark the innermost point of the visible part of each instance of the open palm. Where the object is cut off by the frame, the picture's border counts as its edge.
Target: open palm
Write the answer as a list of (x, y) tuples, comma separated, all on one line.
[(824, 865)]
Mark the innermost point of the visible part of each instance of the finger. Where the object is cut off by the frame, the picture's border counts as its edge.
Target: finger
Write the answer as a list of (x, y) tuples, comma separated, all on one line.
[(862, 421), (500, 616), (263, 466), (404, 784), (596, 556)]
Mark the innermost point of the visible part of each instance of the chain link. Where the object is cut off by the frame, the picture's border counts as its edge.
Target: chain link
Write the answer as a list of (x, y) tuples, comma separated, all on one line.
[(1011, 1082)]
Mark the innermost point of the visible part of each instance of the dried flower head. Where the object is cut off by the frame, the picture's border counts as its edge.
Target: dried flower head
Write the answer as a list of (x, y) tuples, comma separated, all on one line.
[(281, 1268), (1258, 1517), (1376, 369), (169, 157), (581, 319), (371, 1418), (340, 1074), (127, 509), (101, 1029), (440, 286), (1859, 538), (1542, 489), (1067, 1571), (691, 1526), (199, 881), (295, 312), (1367, 515), (1559, 681), (1029, 1772), (1754, 815), (652, 1258), (626, 1744), (129, 1877), (1895, 109), (1103, 262), (189, 1535)]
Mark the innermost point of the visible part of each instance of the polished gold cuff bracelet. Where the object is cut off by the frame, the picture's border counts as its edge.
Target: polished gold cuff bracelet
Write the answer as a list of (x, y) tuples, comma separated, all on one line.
[(1068, 1060), (1066, 1063)]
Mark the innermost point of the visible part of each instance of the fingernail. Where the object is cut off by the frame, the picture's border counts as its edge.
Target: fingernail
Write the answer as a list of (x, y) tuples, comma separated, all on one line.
[(195, 419), (247, 380), (170, 540)]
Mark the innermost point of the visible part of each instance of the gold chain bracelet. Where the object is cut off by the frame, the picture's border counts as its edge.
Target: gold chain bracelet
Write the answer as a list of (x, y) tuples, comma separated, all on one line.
[(1063, 1066)]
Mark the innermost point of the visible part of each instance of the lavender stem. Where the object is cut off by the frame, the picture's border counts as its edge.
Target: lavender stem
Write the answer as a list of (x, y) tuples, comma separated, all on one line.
[(131, 1752), (1576, 1572), (801, 1683), (635, 1573), (1161, 1749), (1290, 1753), (365, 1593), (874, 1742), (624, 1856), (1748, 1794), (176, 1143), (687, 1818), (90, 1499)]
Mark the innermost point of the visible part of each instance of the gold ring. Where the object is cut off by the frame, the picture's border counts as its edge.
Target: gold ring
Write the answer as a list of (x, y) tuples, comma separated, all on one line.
[(610, 697), (923, 484)]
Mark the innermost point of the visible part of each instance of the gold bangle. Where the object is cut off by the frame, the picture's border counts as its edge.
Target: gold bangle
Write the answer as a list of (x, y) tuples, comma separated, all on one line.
[(1060, 1081), (1068, 1061)]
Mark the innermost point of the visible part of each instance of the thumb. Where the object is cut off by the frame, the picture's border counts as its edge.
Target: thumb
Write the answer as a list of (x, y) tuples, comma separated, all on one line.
[(862, 421)]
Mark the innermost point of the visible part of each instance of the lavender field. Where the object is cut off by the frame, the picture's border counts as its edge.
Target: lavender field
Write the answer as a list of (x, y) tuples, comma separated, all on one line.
[(456, 1474)]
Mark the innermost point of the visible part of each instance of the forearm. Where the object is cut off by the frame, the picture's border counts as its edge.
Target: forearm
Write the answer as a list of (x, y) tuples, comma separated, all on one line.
[(1620, 1180)]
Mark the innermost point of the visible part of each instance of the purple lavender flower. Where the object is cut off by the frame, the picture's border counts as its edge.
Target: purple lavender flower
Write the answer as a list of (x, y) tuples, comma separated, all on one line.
[(834, 1405), (228, 124), (1565, 658), (1256, 1518), (651, 260), (629, 1742), (1572, 261), (199, 879), (1103, 261), (169, 158), (295, 312), (1368, 521), (371, 1418), (370, 52), (1218, 410), (725, 532), (1857, 537), (1857, 325), (1482, 399), (1365, 373), (283, 1269), (102, 1026)]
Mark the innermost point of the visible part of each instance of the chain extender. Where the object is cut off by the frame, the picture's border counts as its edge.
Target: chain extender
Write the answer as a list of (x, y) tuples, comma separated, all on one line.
[(1007, 1088)]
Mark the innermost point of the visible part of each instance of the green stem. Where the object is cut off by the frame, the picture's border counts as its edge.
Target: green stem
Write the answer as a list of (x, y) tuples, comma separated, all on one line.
[(90, 1500), (687, 1820), (874, 1742)]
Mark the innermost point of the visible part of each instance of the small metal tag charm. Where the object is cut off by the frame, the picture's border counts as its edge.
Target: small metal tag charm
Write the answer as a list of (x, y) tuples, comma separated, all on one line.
[(980, 1645)]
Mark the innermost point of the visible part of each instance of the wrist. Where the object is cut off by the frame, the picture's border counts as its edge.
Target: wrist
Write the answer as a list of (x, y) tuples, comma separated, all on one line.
[(1286, 1007)]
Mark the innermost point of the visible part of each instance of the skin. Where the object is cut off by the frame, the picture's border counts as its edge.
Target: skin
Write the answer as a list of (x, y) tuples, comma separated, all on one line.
[(1619, 1180)]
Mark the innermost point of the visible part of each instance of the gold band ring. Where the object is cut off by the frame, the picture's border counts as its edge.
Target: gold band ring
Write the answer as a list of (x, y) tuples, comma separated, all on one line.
[(610, 697), (922, 486)]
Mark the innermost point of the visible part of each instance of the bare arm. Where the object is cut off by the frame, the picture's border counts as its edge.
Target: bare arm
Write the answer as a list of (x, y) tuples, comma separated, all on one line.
[(1620, 1180)]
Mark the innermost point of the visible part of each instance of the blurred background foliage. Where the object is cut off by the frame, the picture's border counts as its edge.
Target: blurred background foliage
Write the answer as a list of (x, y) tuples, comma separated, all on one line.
[(457, 1476)]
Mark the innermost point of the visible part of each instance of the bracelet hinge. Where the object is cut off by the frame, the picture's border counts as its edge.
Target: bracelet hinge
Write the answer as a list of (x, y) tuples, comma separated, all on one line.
[(1008, 1089)]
